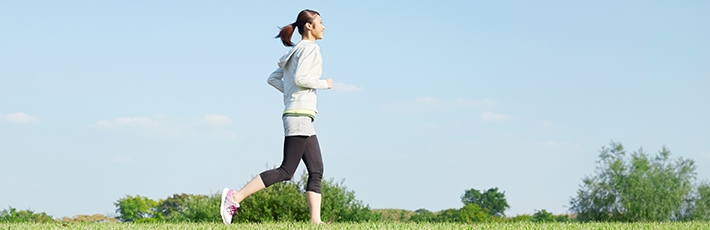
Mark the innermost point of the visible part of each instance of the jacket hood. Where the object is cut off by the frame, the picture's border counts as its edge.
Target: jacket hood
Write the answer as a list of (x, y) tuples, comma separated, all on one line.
[(287, 56)]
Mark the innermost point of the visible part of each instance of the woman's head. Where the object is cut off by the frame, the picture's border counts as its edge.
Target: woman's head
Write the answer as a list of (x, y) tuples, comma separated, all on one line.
[(309, 24)]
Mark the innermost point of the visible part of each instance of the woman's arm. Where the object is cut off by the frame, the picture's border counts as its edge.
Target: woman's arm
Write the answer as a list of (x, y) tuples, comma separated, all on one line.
[(305, 63), (276, 79)]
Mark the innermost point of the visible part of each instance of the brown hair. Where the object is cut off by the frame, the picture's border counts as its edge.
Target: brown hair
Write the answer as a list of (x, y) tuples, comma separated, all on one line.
[(303, 17)]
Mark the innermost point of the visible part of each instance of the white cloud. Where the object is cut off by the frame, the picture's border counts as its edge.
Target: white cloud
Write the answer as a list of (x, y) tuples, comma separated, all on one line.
[(432, 104), (495, 117), (342, 87), (20, 119), (210, 126), (217, 120), (127, 122)]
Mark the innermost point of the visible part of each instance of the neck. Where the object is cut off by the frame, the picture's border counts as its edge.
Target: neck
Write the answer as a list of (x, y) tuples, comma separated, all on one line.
[(309, 37)]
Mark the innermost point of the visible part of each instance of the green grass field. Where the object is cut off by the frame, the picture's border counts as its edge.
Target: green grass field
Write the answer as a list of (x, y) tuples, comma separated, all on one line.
[(376, 225)]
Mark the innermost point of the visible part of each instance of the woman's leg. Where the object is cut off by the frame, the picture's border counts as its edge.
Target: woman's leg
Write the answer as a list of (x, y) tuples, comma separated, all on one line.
[(294, 147), (314, 199), (253, 186), (314, 164)]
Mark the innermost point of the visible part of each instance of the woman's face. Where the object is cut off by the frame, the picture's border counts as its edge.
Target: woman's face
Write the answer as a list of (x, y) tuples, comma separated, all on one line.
[(318, 28)]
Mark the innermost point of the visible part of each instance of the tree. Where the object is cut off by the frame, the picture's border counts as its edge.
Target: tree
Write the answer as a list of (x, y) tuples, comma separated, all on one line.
[(542, 216), (491, 200), (201, 208), (135, 209), (175, 204), (471, 213), (697, 207), (635, 187), (423, 215)]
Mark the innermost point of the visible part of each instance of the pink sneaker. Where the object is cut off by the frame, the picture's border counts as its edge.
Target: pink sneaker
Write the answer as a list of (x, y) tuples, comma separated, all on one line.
[(228, 207)]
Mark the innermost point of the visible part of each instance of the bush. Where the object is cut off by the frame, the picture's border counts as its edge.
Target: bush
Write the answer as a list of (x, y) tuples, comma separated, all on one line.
[(286, 201), (423, 215), (519, 218), (340, 205), (88, 219), (470, 213), (11, 215), (394, 215), (543, 216), (279, 202)]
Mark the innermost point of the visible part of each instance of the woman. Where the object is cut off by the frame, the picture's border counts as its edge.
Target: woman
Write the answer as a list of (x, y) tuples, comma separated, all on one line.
[(297, 77)]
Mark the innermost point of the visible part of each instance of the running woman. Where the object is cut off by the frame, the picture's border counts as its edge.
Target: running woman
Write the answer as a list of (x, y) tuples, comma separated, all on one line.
[(297, 77)]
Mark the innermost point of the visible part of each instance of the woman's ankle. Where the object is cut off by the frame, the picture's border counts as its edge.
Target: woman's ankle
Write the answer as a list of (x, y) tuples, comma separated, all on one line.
[(237, 198)]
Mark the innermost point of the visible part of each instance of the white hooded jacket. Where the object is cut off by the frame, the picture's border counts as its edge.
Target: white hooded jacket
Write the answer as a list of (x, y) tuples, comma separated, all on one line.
[(298, 76)]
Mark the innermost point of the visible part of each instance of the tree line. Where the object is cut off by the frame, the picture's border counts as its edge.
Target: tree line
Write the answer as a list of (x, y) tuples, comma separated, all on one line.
[(626, 187)]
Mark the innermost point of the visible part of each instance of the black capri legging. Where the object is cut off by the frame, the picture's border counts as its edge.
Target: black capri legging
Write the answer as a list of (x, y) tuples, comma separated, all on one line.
[(295, 149)]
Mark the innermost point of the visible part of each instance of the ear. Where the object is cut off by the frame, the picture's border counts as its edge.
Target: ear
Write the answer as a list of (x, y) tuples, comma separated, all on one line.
[(309, 25)]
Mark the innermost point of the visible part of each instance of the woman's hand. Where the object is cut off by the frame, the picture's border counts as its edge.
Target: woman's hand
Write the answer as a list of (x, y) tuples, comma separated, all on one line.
[(330, 82)]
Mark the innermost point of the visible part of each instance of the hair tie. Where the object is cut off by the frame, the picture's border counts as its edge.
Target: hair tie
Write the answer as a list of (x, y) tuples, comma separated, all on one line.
[(294, 24)]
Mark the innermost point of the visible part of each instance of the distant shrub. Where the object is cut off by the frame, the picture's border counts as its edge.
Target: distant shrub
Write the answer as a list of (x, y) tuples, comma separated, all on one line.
[(519, 218), (394, 215), (11, 215), (88, 219), (543, 216), (423, 215), (470, 213)]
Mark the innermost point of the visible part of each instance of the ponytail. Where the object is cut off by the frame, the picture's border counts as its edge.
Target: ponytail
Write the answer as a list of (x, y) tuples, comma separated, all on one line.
[(304, 17), (286, 33)]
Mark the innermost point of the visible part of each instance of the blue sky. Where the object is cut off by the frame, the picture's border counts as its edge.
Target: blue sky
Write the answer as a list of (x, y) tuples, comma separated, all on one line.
[(103, 99)]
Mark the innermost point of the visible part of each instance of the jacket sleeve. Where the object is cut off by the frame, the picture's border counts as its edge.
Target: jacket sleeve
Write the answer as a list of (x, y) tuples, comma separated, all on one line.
[(276, 79), (310, 56)]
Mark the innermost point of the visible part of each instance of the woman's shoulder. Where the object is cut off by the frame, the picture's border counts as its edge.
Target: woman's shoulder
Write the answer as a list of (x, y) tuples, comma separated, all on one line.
[(306, 48), (307, 45)]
